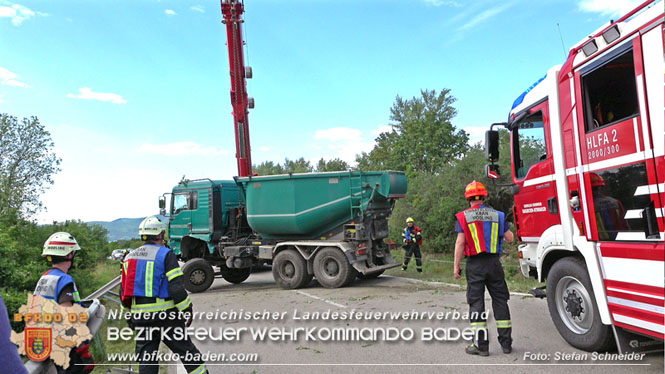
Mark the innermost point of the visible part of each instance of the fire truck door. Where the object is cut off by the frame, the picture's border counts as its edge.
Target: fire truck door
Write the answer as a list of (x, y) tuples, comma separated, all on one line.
[(617, 151), (536, 206)]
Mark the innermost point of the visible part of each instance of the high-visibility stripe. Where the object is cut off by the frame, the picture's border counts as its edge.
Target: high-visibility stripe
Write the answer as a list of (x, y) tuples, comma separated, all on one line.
[(495, 236), (503, 324), (76, 296), (173, 274), (184, 304), (149, 268), (157, 306), (478, 325), (124, 266), (474, 235), (199, 370)]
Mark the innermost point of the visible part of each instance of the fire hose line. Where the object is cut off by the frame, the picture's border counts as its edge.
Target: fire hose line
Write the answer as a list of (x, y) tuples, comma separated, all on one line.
[(425, 259)]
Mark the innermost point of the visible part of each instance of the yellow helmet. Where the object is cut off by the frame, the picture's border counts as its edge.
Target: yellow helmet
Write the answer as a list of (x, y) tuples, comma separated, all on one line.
[(409, 220)]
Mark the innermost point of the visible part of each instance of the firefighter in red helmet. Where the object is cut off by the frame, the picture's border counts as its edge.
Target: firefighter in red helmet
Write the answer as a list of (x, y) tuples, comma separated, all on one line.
[(480, 234)]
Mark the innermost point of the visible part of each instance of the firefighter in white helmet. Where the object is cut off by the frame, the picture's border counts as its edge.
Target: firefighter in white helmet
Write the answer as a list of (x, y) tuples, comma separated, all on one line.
[(60, 251), (154, 292)]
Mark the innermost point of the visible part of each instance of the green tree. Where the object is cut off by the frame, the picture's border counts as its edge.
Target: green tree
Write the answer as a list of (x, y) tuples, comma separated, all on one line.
[(268, 168), (336, 164), (423, 138), (27, 164), (297, 166)]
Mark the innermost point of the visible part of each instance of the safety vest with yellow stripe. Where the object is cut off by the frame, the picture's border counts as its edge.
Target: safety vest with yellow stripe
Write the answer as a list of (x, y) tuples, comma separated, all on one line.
[(144, 275), (483, 230)]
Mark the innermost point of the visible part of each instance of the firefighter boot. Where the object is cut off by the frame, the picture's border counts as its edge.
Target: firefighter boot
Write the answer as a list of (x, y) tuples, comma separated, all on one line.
[(473, 350)]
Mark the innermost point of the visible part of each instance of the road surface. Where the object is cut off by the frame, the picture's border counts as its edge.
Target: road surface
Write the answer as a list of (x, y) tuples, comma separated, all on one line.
[(537, 345)]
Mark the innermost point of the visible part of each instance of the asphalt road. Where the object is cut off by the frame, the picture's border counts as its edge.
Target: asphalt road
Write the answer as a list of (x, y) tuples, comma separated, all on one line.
[(537, 346)]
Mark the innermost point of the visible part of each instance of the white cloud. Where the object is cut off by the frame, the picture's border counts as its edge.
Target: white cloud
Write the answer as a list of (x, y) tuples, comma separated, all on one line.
[(181, 149), (382, 129), (9, 78), (337, 134), (443, 3), (476, 134), (264, 149), (86, 93), (16, 12), (170, 12), (341, 142), (198, 8), (608, 8), (485, 15)]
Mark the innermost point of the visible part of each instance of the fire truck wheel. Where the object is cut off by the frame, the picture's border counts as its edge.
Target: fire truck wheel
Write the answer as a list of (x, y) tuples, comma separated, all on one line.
[(236, 276), (198, 275), (573, 308), (332, 269), (290, 270)]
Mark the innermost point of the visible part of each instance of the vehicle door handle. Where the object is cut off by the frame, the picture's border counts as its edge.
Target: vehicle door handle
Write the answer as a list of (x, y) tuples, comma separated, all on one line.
[(189, 226), (552, 205)]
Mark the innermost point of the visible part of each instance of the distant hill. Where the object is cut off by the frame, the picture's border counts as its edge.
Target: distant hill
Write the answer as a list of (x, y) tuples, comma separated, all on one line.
[(123, 228)]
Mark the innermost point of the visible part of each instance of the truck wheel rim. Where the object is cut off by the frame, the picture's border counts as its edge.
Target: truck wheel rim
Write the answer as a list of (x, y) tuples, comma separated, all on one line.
[(288, 270), (197, 277), (330, 267), (574, 305)]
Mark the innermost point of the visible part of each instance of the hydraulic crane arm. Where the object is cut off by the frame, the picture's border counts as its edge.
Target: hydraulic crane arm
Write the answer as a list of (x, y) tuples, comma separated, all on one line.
[(232, 11)]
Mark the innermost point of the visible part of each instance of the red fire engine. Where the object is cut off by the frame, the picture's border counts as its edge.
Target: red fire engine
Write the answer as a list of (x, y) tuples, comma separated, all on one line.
[(588, 172)]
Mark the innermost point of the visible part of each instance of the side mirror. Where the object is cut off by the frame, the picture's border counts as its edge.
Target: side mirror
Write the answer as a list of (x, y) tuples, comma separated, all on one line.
[(492, 171), (162, 203), (492, 145)]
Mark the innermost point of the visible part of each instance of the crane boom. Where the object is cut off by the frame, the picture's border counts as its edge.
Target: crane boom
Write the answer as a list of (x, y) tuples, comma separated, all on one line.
[(232, 11)]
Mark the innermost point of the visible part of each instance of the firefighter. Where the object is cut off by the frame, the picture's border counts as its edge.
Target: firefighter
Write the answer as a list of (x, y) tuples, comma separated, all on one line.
[(60, 251), (153, 290), (610, 212), (413, 238), (481, 231)]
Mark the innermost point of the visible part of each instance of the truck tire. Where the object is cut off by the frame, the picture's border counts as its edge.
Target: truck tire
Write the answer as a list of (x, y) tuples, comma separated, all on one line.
[(236, 276), (290, 270), (573, 308), (332, 269), (198, 275)]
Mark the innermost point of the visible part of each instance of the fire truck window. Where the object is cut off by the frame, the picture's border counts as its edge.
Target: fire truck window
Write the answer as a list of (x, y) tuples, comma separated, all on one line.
[(609, 92), (529, 143), (617, 208)]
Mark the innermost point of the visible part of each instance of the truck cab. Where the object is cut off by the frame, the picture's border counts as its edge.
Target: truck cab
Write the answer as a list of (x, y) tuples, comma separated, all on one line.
[(202, 213)]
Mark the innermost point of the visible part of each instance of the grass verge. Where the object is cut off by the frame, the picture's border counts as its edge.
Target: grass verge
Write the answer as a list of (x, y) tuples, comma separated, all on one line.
[(438, 267)]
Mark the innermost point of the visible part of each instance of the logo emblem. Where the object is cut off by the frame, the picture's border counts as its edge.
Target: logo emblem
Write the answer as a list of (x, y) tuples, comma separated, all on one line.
[(37, 343)]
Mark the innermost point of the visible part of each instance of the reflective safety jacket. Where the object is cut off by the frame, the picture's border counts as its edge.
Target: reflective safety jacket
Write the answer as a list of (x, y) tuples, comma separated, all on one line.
[(483, 230), (53, 282), (146, 273), (412, 234)]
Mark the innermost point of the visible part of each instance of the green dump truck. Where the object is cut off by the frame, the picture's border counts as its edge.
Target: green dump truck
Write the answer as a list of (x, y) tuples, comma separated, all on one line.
[(330, 226)]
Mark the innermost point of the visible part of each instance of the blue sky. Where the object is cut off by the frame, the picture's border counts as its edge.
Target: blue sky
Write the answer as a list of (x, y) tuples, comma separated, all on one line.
[(136, 93)]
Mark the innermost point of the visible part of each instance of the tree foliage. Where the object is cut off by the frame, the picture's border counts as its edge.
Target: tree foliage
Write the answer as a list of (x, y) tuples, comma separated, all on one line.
[(27, 164), (21, 244), (423, 138), (300, 165)]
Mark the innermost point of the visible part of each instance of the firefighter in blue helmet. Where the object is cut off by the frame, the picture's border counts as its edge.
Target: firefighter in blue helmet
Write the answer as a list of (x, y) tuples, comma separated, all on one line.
[(60, 251), (154, 292), (412, 238)]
